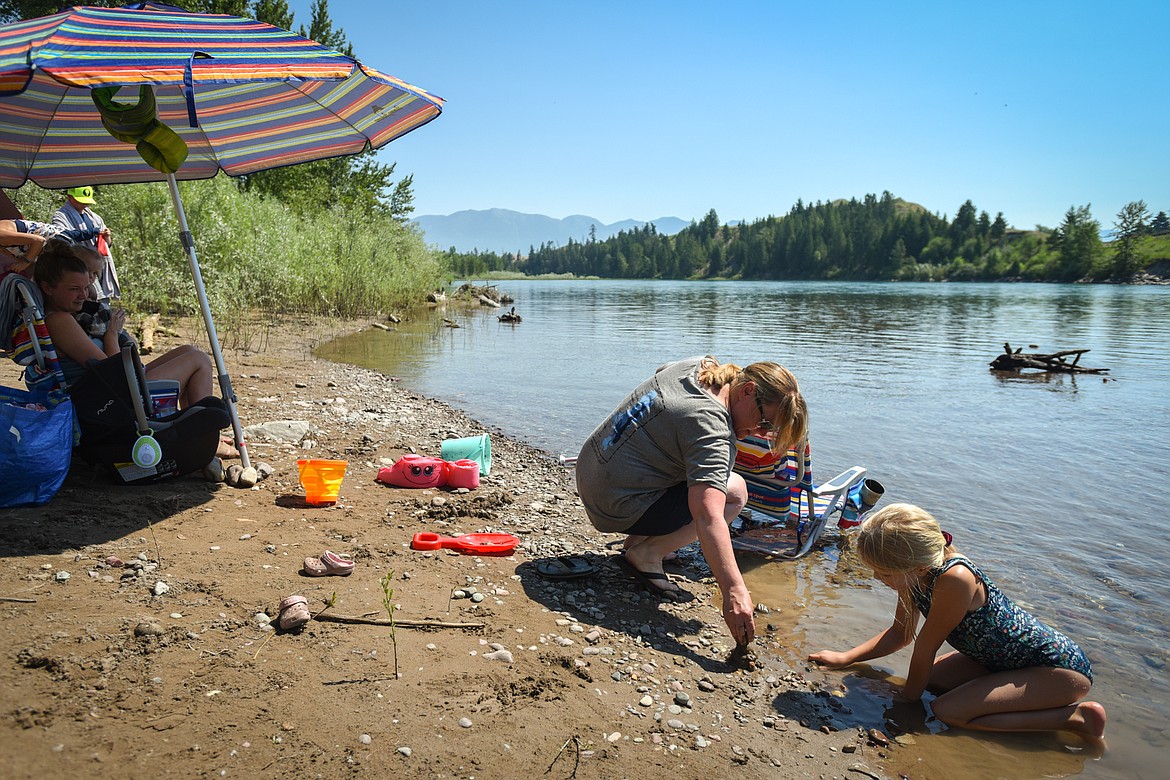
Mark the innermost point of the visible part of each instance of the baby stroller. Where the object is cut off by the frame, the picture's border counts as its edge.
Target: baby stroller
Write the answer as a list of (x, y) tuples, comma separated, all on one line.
[(112, 402)]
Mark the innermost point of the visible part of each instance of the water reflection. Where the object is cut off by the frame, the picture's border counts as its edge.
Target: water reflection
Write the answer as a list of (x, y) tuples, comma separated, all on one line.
[(1057, 383)]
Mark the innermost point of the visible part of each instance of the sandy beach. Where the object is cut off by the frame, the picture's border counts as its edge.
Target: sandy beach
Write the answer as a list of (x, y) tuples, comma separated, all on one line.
[(168, 665)]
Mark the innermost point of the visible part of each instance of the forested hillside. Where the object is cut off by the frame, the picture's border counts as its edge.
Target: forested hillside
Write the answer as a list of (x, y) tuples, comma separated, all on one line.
[(875, 238)]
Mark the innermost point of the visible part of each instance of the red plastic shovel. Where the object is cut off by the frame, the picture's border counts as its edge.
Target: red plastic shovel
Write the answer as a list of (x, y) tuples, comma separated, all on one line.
[(478, 544)]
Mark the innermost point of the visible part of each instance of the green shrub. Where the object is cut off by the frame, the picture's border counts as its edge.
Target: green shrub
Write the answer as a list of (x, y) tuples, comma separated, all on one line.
[(255, 253)]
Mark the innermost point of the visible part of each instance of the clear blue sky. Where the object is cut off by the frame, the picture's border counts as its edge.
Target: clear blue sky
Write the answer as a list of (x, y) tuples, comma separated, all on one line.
[(648, 109)]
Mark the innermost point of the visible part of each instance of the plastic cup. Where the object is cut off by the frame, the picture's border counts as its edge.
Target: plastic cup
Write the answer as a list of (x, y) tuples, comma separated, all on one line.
[(871, 493), (477, 448), (321, 479)]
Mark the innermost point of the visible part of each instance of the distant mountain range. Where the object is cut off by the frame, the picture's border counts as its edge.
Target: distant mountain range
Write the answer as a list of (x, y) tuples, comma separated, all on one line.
[(501, 230)]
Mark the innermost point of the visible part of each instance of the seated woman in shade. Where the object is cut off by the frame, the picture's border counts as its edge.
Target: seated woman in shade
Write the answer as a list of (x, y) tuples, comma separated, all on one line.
[(64, 280)]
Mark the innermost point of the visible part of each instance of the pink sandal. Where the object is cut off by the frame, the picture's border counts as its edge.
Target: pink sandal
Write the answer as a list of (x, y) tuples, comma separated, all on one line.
[(335, 564), (313, 567), (294, 612)]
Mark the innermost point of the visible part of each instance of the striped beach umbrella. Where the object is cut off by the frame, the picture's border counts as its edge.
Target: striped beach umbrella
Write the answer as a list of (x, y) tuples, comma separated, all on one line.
[(243, 96)]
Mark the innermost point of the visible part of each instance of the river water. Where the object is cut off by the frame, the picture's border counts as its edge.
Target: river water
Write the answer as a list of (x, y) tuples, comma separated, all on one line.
[(1056, 485)]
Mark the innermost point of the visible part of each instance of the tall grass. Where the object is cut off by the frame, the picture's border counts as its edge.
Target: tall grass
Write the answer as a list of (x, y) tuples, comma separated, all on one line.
[(257, 255)]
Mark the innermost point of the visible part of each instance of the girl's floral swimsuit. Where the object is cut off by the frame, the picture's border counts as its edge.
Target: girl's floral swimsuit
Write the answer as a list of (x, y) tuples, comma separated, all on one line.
[(1001, 635)]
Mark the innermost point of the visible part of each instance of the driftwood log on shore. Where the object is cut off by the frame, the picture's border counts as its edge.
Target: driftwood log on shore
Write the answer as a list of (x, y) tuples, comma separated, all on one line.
[(147, 331), (146, 341), (1057, 361)]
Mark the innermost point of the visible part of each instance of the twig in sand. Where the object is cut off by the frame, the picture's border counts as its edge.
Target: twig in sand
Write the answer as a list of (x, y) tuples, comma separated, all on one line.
[(329, 602), (400, 623), (18, 601), (576, 763), (157, 551), (388, 603)]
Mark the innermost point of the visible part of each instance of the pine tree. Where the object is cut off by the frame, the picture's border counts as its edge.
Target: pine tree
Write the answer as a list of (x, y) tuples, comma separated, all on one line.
[(1160, 225), (1131, 223)]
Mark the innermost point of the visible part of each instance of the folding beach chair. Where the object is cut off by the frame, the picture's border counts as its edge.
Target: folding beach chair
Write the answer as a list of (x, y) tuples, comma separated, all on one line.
[(37, 432), (24, 337), (786, 512)]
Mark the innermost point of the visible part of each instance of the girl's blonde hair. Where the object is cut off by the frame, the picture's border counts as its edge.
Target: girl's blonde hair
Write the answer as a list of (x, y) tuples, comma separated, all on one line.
[(775, 384), (903, 538)]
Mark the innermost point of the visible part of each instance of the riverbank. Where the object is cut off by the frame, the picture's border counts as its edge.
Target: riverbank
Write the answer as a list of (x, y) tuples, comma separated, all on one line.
[(166, 666)]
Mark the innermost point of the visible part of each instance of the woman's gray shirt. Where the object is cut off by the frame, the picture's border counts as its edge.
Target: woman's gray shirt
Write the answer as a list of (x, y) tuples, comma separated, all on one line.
[(668, 431)]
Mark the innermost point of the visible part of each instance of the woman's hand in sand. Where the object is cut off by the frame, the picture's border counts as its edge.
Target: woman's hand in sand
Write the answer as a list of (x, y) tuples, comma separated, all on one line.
[(831, 659)]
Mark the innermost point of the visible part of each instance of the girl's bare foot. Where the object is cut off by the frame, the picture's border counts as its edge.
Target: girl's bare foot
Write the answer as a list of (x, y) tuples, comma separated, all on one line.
[(1094, 717), (1089, 720)]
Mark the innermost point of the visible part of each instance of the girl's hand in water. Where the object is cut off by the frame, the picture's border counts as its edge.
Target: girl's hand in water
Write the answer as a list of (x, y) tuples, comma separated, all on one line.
[(900, 697), (831, 659)]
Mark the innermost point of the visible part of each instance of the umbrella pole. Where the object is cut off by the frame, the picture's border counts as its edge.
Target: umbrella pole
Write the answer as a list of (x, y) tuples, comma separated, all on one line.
[(225, 381)]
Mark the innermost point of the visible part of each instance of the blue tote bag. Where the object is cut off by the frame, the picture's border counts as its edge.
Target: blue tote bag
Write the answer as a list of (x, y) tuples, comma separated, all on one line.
[(36, 446)]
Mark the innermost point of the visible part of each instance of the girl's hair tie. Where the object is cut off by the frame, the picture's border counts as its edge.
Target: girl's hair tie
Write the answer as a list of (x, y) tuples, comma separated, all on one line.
[(947, 538)]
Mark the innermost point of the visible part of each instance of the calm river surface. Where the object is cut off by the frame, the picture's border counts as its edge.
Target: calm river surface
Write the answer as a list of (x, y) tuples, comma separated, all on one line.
[(1056, 485)]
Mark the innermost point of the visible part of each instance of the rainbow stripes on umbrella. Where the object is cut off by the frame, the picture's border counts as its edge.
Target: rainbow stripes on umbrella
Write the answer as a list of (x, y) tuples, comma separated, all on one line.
[(264, 97)]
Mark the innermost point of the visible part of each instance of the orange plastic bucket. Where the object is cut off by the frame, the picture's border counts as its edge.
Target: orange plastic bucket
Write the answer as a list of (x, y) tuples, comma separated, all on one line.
[(321, 479)]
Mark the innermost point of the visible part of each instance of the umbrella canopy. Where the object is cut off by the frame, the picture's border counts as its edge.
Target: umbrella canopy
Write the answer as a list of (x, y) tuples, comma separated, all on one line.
[(261, 97), (244, 96)]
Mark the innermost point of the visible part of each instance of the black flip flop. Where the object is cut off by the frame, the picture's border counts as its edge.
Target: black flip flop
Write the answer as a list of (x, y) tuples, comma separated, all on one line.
[(653, 581), (565, 567)]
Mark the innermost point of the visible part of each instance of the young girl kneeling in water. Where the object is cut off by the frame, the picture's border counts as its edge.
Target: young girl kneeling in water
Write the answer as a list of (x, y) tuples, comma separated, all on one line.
[(1010, 672)]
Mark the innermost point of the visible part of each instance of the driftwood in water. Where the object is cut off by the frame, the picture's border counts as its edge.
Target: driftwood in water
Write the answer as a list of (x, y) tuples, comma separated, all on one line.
[(1057, 361), (486, 301)]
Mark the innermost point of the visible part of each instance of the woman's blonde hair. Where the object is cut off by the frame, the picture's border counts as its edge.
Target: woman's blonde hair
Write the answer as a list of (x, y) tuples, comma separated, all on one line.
[(902, 538), (775, 384)]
